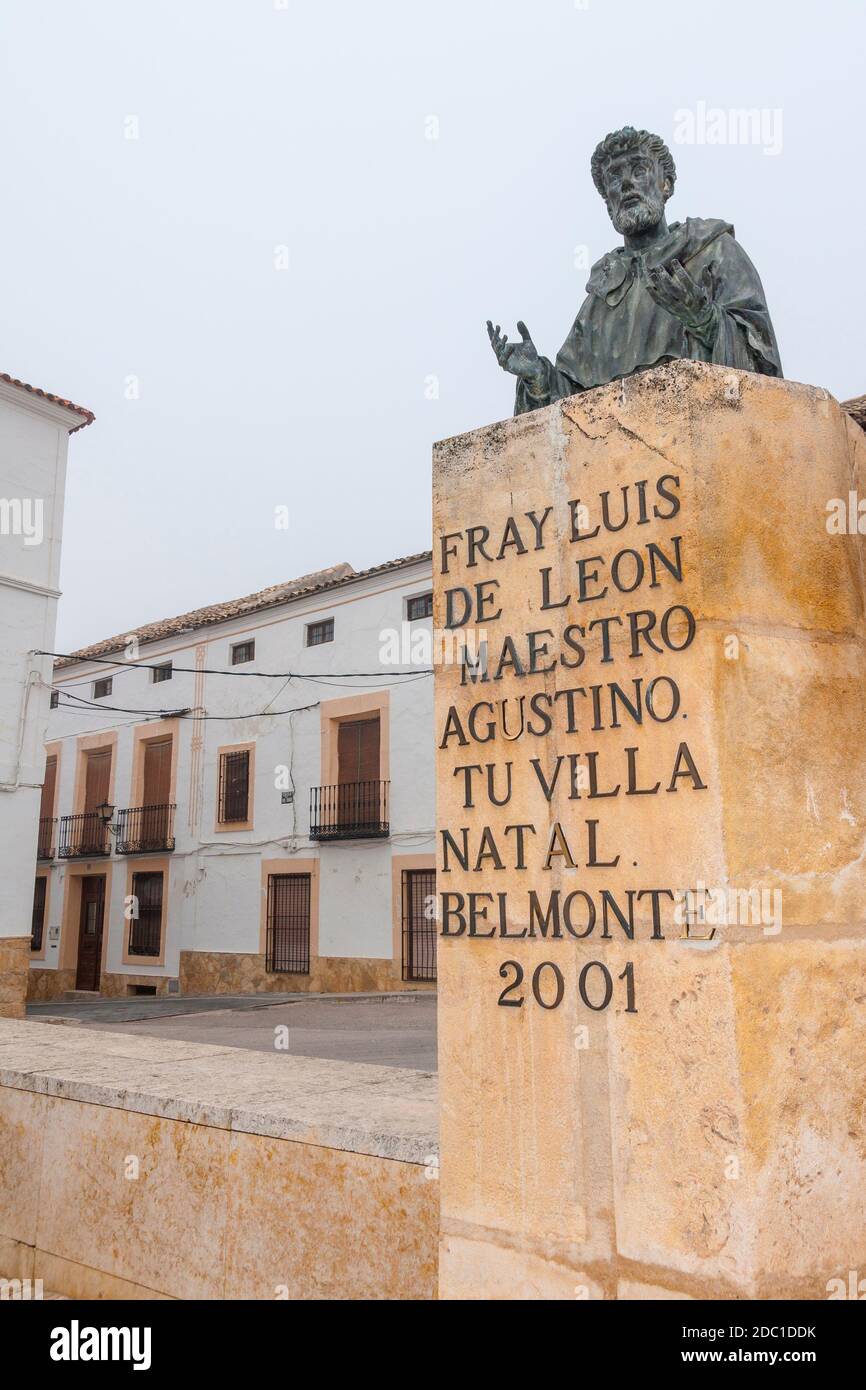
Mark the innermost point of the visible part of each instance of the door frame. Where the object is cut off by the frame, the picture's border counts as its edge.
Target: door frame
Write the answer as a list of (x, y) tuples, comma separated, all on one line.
[(74, 872), (84, 902)]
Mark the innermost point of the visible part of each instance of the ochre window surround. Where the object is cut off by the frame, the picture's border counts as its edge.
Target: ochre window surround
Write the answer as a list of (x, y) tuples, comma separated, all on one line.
[(145, 866), (142, 735), (295, 865), (223, 768), (333, 713), (93, 743), (399, 863)]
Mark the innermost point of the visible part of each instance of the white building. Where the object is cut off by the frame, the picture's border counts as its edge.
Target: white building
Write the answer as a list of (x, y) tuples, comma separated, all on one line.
[(34, 438), (267, 832)]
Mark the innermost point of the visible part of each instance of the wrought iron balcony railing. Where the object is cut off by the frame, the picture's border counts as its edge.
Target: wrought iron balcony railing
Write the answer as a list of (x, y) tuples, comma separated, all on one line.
[(45, 843), (83, 837), (145, 829), (350, 811)]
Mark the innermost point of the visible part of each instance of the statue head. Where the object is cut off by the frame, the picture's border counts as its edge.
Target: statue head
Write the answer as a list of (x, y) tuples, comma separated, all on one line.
[(635, 174)]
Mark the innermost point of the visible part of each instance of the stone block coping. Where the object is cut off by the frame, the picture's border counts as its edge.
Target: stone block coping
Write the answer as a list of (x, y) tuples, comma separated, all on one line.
[(388, 1112)]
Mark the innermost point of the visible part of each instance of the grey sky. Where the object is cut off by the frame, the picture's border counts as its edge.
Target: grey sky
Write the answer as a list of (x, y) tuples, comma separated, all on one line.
[(307, 127)]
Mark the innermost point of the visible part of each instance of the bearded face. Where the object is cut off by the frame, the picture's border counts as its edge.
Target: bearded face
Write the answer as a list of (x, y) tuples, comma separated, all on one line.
[(635, 192)]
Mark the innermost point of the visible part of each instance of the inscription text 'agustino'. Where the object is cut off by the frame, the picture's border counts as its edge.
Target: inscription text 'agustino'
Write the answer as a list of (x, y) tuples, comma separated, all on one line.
[(610, 621)]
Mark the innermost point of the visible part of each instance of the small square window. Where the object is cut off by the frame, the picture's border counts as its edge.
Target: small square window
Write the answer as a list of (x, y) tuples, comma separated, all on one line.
[(101, 688), (419, 606), (317, 633), (55, 699), (243, 652), (160, 673)]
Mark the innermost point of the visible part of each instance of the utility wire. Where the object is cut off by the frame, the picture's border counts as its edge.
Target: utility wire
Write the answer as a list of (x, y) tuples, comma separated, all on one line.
[(73, 701), (216, 671)]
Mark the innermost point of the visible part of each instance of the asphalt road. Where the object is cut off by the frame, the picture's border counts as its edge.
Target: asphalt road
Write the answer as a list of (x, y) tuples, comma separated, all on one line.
[(384, 1030)]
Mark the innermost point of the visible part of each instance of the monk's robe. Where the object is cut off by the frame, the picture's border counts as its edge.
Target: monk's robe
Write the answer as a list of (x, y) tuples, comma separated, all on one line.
[(620, 329)]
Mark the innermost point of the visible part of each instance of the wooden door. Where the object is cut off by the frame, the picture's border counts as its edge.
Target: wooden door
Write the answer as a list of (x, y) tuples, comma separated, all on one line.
[(156, 793), (97, 778), (157, 773), (358, 772), (90, 932), (92, 834), (46, 808)]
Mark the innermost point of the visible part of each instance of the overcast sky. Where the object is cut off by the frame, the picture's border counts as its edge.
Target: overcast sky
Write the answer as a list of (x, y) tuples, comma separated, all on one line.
[(425, 166)]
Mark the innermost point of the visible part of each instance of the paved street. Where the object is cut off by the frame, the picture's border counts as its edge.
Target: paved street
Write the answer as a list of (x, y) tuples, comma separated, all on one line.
[(397, 1030)]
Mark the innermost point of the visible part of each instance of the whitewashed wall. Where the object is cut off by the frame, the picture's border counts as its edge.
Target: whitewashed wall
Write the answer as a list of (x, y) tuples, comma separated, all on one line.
[(33, 450), (215, 879)]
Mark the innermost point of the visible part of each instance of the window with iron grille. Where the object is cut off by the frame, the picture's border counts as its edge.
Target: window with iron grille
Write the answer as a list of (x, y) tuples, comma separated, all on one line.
[(317, 633), (287, 947), (243, 652), (101, 688), (55, 699), (161, 673), (38, 914), (419, 606), (145, 930), (419, 924), (234, 786)]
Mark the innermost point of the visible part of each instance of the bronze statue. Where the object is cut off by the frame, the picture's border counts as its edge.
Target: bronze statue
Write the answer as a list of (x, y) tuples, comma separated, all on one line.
[(684, 290)]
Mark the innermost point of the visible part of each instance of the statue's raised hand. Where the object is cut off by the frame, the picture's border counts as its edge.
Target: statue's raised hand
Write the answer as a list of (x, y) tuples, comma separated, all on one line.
[(690, 301), (521, 359)]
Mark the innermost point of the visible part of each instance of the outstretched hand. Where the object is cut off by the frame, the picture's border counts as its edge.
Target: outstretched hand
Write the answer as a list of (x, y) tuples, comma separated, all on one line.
[(673, 289), (521, 359)]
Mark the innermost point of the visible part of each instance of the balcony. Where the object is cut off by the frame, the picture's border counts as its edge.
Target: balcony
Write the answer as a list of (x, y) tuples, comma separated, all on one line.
[(45, 843), (350, 811), (145, 829), (83, 837)]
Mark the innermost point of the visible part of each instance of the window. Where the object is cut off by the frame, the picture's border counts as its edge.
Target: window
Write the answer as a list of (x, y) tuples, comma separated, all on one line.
[(243, 652), (419, 606), (38, 914), (102, 687), (145, 930), (234, 786), (419, 924), (317, 633), (55, 699), (288, 925), (161, 673)]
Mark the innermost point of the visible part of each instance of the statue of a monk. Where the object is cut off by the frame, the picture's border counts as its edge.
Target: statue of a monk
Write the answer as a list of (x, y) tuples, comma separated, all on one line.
[(684, 290)]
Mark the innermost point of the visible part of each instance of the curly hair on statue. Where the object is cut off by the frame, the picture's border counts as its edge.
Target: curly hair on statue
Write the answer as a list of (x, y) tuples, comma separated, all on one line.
[(620, 142)]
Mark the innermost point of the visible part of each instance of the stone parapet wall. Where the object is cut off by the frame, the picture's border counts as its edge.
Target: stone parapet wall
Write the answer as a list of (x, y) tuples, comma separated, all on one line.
[(137, 1168)]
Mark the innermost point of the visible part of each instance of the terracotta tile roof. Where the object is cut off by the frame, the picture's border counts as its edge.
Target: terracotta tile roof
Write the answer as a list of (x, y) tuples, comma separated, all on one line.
[(856, 408), (320, 580), (88, 415)]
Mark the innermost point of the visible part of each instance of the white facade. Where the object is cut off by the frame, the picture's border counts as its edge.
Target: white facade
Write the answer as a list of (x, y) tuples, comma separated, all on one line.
[(215, 890), (34, 435)]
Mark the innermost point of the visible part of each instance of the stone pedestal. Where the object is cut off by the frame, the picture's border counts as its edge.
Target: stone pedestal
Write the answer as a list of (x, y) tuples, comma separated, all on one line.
[(652, 974)]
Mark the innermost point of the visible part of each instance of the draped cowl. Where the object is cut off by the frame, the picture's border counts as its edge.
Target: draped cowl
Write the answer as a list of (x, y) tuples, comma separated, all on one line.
[(620, 329)]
